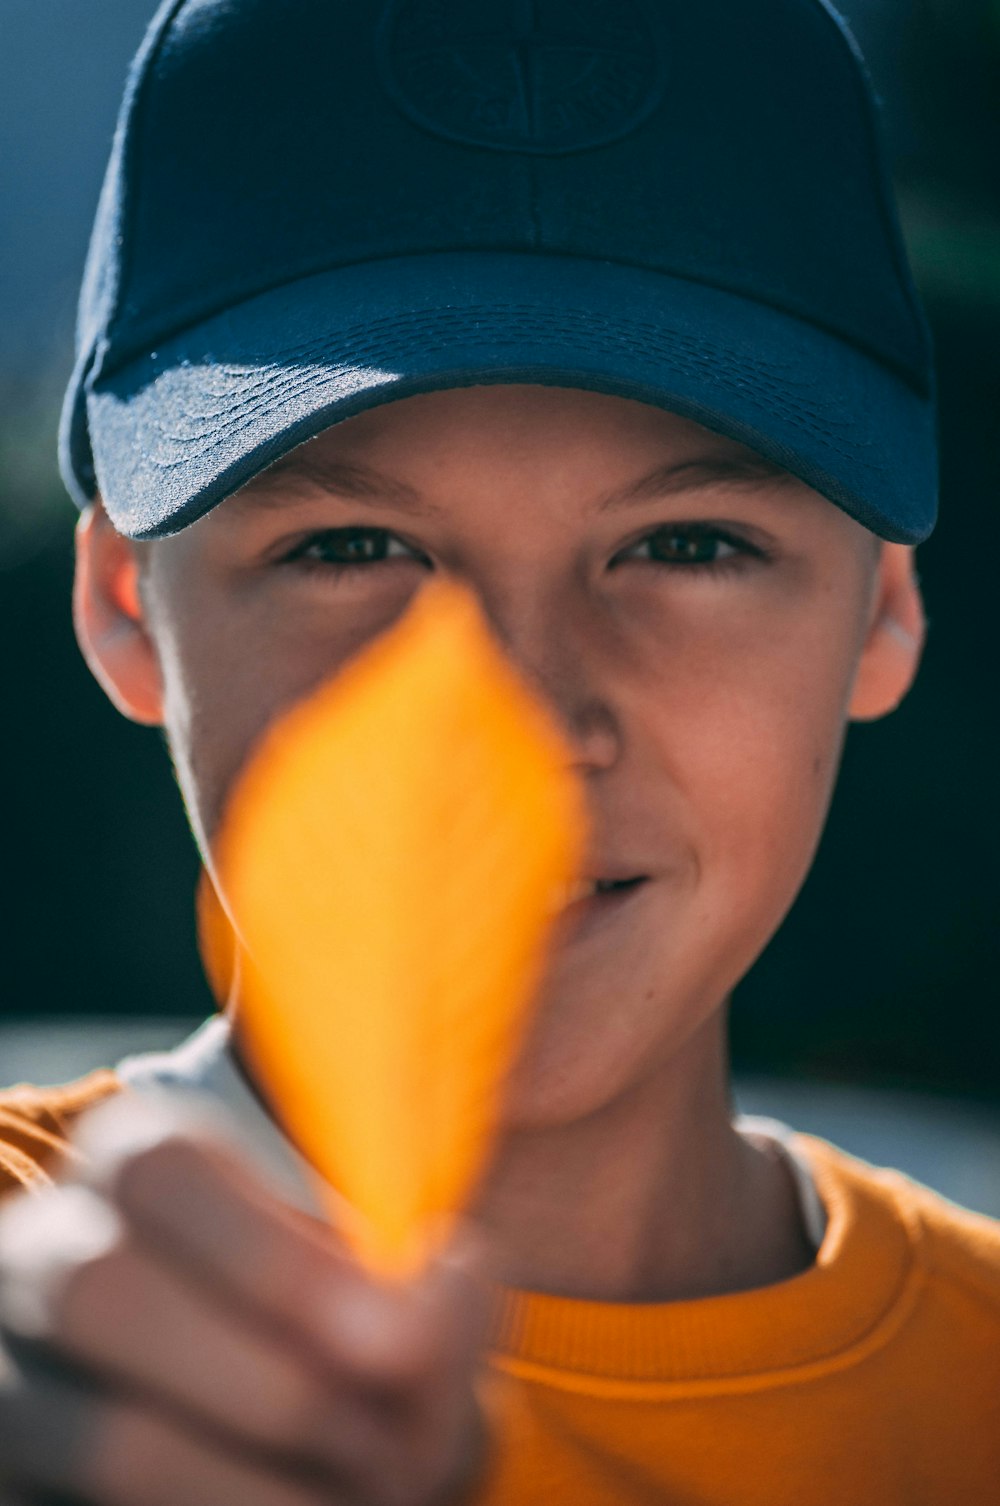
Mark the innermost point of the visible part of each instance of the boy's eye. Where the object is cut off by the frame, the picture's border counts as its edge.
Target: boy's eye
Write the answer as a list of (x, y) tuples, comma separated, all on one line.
[(688, 544), (347, 547)]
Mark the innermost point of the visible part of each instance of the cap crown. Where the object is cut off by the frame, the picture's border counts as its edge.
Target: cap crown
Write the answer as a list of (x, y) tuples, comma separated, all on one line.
[(725, 142)]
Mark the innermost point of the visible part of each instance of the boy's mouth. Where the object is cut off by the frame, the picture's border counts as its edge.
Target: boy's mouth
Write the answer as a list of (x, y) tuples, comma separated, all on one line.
[(586, 896)]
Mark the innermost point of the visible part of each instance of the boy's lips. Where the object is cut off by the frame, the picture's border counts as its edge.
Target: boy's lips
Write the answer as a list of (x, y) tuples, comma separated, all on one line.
[(589, 898)]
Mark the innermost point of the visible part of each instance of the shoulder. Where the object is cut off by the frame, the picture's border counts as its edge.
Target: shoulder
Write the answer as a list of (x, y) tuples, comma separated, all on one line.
[(957, 1248), (35, 1125)]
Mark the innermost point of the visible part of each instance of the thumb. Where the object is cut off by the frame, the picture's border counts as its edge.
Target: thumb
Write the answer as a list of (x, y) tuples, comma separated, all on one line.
[(402, 1336)]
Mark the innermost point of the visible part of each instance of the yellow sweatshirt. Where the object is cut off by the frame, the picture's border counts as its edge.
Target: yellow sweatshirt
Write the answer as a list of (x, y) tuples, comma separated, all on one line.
[(872, 1379)]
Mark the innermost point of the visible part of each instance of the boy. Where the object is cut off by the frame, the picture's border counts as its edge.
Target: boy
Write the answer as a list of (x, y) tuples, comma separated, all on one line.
[(602, 310)]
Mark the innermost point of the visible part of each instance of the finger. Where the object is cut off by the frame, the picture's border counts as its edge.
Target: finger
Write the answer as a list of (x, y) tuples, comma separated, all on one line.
[(424, 1363), (414, 1348), (108, 1305), (434, 1328), (56, 1439), (43, 1237), (194, 1202), (194, 1198)]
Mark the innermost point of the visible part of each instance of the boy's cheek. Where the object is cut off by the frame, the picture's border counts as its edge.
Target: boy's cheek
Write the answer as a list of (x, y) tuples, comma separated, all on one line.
[(221, 697), (236, 657), (743, 765), (736, 828)]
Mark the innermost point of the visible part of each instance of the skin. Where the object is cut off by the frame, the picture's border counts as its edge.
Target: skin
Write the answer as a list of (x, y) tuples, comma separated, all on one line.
[(705, 627)]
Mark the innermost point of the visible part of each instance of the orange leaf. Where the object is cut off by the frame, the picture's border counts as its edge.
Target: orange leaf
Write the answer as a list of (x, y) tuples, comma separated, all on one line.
[(391, 858)]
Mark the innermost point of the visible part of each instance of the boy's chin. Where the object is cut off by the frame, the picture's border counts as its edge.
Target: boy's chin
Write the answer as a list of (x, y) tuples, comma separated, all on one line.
[(579, 1063), (552, 1088)]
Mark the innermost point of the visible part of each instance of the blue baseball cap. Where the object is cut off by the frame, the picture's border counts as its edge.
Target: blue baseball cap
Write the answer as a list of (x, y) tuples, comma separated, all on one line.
[(316, 206)]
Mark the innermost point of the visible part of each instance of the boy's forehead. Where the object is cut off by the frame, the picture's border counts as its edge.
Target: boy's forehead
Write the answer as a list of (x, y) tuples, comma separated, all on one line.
[(539, 422)]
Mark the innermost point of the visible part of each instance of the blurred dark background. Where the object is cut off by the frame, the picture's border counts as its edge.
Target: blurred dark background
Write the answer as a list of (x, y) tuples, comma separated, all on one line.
[(885, 974)]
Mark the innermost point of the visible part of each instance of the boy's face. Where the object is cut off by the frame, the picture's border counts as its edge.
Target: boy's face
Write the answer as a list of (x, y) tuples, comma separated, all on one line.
[(702, 624)]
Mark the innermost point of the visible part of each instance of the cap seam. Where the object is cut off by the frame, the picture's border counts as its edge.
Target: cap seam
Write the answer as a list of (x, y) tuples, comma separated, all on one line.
[(534, 209)]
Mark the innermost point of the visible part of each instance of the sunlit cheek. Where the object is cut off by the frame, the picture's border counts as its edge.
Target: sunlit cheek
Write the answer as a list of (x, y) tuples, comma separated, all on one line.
[(748, 731)]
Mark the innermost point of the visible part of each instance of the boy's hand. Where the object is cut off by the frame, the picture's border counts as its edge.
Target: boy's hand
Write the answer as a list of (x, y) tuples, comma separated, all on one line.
[(172, 1333)]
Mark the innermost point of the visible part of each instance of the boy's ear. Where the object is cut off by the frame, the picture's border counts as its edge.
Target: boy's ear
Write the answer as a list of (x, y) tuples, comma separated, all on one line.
[(109, 618), (894, 642)]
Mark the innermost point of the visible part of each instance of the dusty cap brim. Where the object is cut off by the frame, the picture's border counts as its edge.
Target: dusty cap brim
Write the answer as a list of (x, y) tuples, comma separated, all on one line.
[(175, 432)]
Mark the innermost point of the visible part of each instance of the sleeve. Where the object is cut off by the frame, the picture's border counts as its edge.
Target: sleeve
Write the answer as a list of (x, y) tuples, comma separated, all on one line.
[(35, 1125)]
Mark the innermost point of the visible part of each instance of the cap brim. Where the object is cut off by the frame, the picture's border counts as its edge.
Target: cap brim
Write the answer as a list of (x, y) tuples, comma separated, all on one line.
[(175, 432)]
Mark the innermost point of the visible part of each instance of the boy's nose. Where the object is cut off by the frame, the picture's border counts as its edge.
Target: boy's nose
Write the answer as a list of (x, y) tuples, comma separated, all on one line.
[(557, 651)]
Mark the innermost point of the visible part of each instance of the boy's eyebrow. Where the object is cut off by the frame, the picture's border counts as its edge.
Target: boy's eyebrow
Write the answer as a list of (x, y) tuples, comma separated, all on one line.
[(340, 477), (694, 475), (347, 479)]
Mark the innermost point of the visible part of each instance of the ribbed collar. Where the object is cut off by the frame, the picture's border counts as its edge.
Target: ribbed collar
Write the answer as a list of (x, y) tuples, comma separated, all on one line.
[(844, 1306)]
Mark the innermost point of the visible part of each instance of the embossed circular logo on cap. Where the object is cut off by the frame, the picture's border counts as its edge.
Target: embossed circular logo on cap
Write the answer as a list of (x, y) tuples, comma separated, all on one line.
[(545, 76)]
